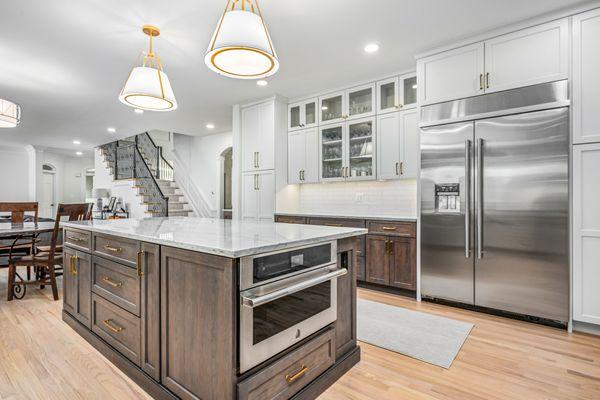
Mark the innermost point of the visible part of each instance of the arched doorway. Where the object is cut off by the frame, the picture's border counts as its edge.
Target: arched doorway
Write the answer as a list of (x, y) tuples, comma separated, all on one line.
[(225, 183)]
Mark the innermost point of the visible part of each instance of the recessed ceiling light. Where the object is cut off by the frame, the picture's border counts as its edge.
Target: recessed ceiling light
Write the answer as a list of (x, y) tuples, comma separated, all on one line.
[(262, 82), (210, 126), (111, 130), (371, 47), (138, 111), (79, 153), (76, 142)]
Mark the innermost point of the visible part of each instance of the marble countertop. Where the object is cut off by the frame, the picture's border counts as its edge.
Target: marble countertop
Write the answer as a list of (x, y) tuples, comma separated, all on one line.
[(351, 216), (229, 238)]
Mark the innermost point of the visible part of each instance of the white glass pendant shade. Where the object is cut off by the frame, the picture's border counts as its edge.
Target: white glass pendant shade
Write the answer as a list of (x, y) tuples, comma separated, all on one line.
[(10, 114), (148, 87), (241, 46)]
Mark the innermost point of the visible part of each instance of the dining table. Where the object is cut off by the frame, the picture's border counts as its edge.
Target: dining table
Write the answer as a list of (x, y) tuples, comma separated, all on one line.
[(16, 234)]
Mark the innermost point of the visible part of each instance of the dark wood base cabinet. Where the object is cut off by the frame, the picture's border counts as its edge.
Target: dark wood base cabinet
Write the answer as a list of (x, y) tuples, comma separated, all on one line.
[(168, 318)]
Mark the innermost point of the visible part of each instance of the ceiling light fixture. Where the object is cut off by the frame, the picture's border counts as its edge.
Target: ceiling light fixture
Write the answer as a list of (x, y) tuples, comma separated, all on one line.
[(111, 130), (210, 126), (262, 82), (138, 111), (77, 142), (78, 153), (148, 87), (371, 48), (241, 46), (10, 114)]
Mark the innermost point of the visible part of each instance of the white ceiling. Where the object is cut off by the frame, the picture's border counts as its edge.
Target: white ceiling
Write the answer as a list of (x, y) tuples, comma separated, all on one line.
[(65, 61)]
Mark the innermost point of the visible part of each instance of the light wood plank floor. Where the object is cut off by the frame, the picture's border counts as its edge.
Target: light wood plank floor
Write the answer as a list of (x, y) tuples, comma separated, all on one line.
[(42, 358)]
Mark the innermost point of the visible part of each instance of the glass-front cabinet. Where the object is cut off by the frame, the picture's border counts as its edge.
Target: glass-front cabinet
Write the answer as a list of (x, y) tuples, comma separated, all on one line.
[(302, 114), (331, 108), (356, 102), (348, 150), (396, 93)]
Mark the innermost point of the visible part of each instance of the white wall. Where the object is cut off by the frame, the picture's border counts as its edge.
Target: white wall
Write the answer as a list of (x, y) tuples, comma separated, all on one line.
[(200, 156), (14, 173)]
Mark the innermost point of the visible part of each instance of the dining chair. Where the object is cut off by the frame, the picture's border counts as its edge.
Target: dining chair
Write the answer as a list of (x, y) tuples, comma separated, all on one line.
[(17, 212), (44, 262)]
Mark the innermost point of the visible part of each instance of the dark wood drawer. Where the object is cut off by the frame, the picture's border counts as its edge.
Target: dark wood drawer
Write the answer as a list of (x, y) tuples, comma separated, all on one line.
[(80, 240), (117, 248), (117, 283), (346, 223), (288, 219), (393, 228), (287, 376), (117, 327)]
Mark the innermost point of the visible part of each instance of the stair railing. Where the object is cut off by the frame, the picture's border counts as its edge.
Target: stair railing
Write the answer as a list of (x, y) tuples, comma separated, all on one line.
[(154, 157)]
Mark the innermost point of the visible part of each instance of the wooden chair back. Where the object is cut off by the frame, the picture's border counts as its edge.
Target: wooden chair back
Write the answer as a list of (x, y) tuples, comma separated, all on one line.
[(75, 212), (17, 210)]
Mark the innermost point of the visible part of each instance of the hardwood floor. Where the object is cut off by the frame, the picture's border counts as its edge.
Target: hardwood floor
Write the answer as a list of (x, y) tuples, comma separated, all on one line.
[(42, 358)]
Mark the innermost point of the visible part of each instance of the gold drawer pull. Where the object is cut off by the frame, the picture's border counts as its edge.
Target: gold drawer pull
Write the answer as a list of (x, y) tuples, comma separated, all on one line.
[(291, 378), (113, 249), (75, 239), (338, 225), (72, 262), (388, 228), (116, 329), (111, 282), (140, 258)]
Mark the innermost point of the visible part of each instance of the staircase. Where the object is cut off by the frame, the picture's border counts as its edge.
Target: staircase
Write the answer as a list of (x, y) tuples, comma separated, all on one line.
[(139, 159)]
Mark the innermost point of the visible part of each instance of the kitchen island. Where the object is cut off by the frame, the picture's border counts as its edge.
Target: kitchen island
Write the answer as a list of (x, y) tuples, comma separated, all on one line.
[(196, 308)]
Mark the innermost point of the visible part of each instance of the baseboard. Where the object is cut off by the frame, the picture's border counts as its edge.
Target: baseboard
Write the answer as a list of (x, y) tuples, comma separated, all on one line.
[(387, 289), (586, 327)]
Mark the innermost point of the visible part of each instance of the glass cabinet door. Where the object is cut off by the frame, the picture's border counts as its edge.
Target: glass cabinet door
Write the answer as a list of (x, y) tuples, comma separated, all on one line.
[(361, 149), (408, 87), (310, 114), (387, 95), (332, 152), (332, 107), (361, 101), (294, 114)]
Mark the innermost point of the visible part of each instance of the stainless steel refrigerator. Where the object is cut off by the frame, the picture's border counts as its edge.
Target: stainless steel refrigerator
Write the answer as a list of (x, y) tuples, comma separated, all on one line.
[(495, 201)]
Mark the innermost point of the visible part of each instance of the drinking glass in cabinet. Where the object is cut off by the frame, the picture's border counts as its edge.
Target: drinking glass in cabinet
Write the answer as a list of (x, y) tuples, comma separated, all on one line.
[(410, 90), (310, 113), (388, 95), (332, 134), (360, 102), (361, 130), (295, 117), (331, 108)]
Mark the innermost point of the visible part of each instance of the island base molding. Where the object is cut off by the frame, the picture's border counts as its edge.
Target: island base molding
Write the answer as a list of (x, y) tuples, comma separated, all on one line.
[(156, 390)]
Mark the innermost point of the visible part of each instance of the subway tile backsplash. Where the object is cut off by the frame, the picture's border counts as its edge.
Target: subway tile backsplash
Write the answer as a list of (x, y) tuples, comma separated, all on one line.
[(388, 198)]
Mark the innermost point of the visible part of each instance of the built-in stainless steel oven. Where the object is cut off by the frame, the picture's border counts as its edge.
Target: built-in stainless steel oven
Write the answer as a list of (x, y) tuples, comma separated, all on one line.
[(285, 296)]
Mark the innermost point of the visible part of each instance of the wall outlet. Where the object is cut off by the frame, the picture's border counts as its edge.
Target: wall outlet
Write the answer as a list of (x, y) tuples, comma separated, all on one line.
[(360, 197)]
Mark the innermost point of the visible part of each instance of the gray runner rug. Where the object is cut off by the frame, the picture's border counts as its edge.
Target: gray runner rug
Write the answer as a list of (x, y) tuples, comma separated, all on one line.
[(426, 337)]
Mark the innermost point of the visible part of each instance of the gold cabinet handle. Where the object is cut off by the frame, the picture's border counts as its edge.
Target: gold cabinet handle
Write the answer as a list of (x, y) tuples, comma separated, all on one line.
[(388, 228), (72, 262), (480, 81), (75, 239), (487, 80), (140, 260), (113, 249), (397, 172), (111, 282), (401, 168), (290, 378), (303, 178), (114, 328)]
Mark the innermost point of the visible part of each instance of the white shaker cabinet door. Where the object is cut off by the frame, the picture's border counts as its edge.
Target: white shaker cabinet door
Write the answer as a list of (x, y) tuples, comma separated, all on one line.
[(451, 75), (389, 137), (250, 195), (586, 77), (266, 194), (250, 137), (586, 233), (527, 57), (410, 146), (311, 162), (296, 156), (265, 146)]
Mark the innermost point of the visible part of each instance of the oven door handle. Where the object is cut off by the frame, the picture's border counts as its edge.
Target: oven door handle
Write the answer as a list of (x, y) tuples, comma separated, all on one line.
[(255, 301)]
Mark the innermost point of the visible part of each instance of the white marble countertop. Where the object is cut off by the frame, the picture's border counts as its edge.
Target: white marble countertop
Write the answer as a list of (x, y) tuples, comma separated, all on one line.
[(351, 216), (229, 238)]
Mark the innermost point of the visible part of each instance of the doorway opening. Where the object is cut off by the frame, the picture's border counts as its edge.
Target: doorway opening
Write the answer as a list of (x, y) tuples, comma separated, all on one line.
[(48, 195), (226, 171)]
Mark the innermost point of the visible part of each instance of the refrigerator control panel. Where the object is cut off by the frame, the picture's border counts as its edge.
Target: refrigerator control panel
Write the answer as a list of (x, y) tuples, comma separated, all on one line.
[(447, 198)]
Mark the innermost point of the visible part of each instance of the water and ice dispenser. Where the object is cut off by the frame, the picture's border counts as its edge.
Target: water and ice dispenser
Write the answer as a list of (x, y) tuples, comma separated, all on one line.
[(447, 198)]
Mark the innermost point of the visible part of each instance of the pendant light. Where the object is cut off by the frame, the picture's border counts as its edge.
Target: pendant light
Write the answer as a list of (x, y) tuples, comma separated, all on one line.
[(10, 114), (148, 87), (241, 46)]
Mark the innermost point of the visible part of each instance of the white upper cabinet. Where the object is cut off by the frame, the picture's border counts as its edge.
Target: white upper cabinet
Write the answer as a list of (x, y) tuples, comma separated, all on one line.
[(258, 137), (303, 156), (303, 114), (397, 145), (450, 75), (353, 103), (396, 93), (586, 77), (527, 57)]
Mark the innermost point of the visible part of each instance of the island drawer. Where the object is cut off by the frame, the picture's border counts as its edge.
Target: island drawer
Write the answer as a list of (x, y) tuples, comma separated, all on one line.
[(117, 283), (117, 327), (81, 240), (346, 223), (290, 219), (288, 375), (117, 248), (393, 228)]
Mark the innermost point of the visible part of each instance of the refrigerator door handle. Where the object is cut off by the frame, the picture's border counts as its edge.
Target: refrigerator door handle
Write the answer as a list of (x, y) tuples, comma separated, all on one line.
[(479, 190), (468, 198)]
